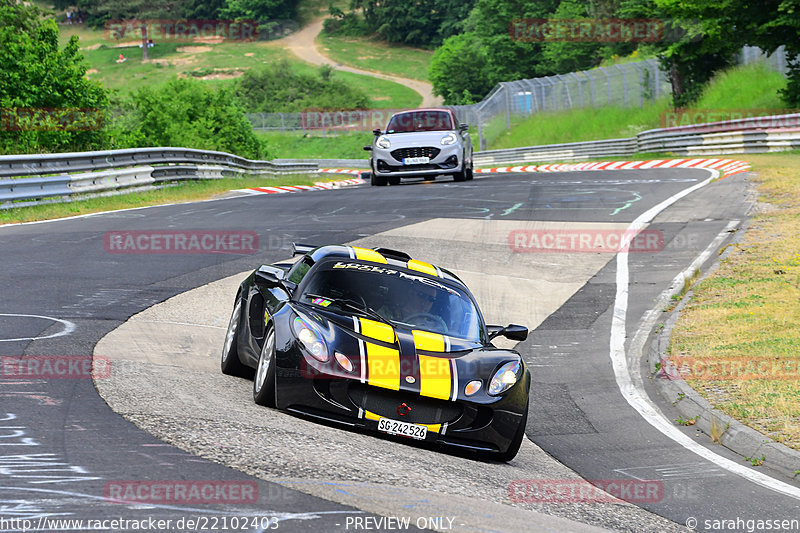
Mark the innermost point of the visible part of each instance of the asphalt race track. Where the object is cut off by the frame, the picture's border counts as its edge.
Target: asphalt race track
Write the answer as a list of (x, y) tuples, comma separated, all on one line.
[(64, 449)]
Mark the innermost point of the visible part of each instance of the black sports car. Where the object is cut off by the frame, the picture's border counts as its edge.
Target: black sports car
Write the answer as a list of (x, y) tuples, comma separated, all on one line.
[(373, 339)]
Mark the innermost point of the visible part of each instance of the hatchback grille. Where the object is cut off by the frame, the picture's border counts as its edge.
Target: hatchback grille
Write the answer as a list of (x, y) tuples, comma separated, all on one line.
[(384, 402), (424, 151)]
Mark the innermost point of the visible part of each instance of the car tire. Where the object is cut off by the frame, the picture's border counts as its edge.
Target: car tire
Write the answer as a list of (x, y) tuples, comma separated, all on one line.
[(460, 176), (470, 171), (394, 180), (378, 181), (264, 380), (230, 363), (516, 442)]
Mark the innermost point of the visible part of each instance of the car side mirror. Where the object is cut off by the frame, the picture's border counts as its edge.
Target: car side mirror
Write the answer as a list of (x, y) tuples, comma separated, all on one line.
[(512, 332), (463, 127), (290, 286), (368, 147), (269, 275), (376, 132)]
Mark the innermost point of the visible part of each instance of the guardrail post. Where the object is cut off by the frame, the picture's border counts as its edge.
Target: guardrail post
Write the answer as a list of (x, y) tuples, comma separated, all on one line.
[(608, 84), (508, 106), (624, 84), (642, 87), (657, 79), (580, 88)]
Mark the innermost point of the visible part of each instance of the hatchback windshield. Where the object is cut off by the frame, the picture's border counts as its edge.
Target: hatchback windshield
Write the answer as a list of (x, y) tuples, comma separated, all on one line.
[(420, 121), (405, 299)]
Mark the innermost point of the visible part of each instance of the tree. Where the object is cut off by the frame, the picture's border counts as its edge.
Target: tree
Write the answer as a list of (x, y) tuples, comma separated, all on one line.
[(46, 100), (458, 70), (188, 113), (569, 56), (259, 10), (700, 40), (416, 22)]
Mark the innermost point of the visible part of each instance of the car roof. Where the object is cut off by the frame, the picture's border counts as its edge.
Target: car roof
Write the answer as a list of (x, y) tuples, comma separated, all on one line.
[(423, 109), (384, 256)]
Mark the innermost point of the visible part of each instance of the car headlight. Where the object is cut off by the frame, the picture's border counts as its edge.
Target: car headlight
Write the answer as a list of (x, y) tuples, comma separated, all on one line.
[(311, 340), (449, 139), (383, 142), (504, 378)]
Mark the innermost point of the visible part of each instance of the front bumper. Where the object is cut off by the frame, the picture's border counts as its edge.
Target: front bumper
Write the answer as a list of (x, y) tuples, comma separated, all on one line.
[(482, 427), (448, 161)]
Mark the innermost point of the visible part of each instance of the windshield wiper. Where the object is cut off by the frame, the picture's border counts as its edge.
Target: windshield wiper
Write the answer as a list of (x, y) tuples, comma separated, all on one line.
[(352, 305)]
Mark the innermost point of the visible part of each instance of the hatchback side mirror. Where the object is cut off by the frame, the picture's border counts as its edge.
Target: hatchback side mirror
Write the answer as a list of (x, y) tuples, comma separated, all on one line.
[(463, 127), (376, 132)]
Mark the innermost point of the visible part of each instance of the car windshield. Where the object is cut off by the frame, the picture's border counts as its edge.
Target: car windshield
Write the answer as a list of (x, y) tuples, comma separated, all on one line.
[(402, 298), (420, 121)]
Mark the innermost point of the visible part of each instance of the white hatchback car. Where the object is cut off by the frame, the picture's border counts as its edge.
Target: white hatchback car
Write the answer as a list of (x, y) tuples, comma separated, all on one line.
[(421, 143)]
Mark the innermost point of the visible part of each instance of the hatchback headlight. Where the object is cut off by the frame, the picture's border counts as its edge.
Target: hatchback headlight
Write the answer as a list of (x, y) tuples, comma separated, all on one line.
[(505, 378), (449, 139), (383, 142), (311, 340)]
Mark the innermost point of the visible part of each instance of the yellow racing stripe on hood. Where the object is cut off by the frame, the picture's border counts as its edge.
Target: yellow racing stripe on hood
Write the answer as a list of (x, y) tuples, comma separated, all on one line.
[(430, 342), (435, 376), (383, 363), (377, 330), (422, 266), (366, 254)]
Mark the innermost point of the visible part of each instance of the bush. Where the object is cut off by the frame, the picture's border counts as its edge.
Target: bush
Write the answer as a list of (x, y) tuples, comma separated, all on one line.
[(279, 89), (186, 113), (345, 24)]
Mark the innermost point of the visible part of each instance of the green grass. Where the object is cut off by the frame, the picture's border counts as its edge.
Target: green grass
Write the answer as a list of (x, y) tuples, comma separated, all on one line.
[(186, 191), (377, 56), (295, 145), (383, 94), (587, 124), (226, 59), (751, 87), (748, 310)]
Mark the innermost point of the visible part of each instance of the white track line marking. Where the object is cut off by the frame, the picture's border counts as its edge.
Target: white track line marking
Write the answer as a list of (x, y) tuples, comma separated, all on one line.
[(69, 327), (635, 395)]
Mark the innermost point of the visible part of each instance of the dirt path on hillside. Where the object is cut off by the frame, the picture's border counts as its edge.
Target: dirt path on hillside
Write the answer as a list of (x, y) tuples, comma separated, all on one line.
[(302, 44)]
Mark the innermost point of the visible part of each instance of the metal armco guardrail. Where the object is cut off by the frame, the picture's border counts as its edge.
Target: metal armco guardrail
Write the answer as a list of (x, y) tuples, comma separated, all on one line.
[(559, 152), (56, 177)]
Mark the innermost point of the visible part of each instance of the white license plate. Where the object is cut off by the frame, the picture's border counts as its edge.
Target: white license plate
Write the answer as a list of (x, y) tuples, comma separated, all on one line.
[(404, 429), (416, 160)]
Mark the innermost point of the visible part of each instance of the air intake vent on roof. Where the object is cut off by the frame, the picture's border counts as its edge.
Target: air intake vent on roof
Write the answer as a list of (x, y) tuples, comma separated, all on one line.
[(394, 254)]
